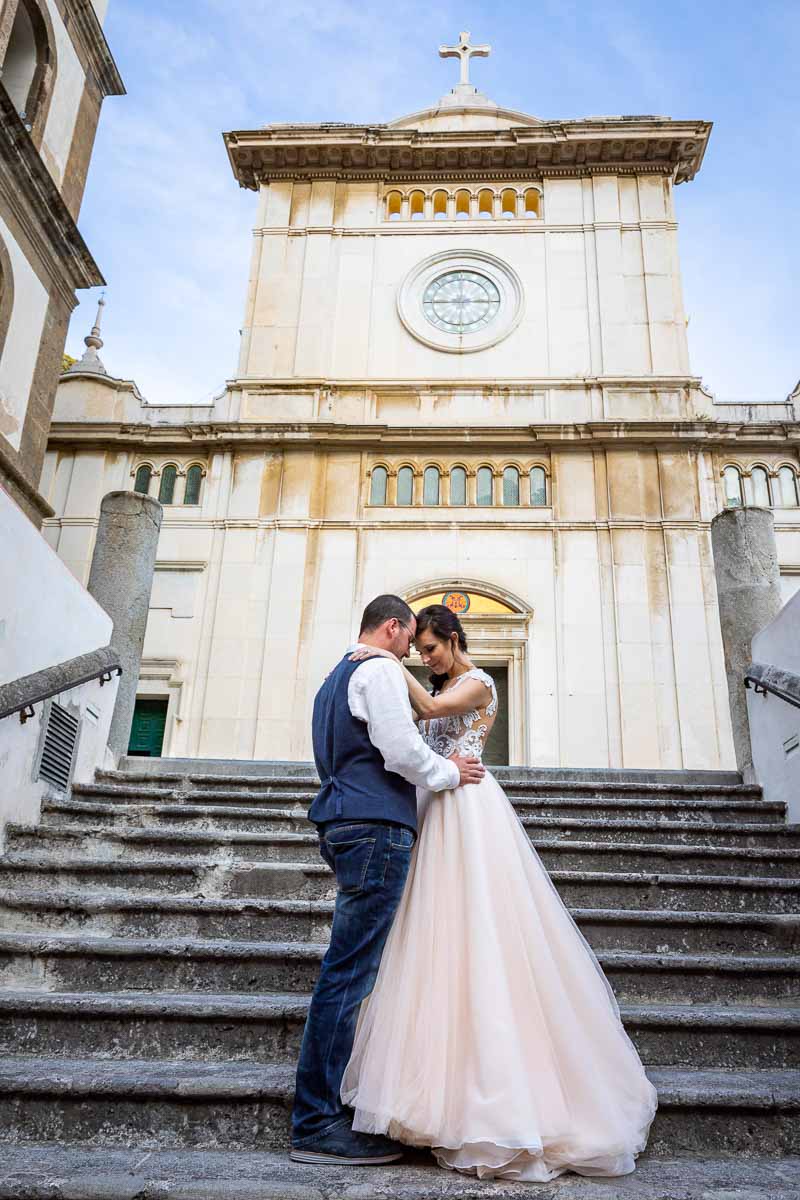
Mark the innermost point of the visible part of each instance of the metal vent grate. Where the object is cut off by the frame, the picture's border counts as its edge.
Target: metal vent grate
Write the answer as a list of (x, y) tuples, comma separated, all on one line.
[(58, 750)]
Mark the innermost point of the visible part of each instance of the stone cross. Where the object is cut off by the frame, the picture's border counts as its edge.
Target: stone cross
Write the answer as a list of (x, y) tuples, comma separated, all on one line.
[(465, 52)]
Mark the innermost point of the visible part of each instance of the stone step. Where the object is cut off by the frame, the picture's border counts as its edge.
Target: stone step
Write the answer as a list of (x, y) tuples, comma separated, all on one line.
[(62, 962), (556, 854), (305, 768), (724, 805), (252, 1027), (727, 1037), (78, 814), (218, 875), (245, 1106), (687, 931), (605, 889), (105, 1173), (639, 889), (68, 962), (173, 876), (130, 914), (195, 773), (278, 846)]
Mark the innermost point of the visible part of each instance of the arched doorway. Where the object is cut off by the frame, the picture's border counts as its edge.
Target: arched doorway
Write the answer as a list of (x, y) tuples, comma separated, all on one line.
[(496, 624)]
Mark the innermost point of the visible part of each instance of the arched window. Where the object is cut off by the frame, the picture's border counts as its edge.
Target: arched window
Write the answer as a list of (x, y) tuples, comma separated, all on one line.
[(405, 486), (166, 490), (430, 486), (511, 486), (486, 204), (485, 486), (509, 203), (394, 206), (27, 67), (440, 206), (732, 480), (377, 490), (142, 481), (760, 485), (416, 207), (532, 203), (191, 493), (462, 205), (538, 479), (458, 486), (787, 482)]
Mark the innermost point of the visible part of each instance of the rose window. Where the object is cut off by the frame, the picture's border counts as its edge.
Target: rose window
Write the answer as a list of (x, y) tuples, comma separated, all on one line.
[(461, 301)]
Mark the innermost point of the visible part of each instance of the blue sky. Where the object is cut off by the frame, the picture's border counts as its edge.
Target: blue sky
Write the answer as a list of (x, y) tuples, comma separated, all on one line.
[(170, 227)]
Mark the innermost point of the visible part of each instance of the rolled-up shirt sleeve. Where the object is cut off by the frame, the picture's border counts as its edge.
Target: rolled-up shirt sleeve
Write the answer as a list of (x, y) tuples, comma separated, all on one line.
[(377, 694)]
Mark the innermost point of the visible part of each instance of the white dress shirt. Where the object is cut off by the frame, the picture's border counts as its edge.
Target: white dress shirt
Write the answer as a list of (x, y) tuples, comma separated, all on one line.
[(377, 694)]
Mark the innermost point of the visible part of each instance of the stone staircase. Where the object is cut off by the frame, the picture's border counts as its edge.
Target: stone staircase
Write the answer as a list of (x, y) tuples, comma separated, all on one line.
[(161, 929)]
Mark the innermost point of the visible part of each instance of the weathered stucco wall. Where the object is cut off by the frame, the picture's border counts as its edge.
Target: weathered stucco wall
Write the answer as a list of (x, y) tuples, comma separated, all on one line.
[(599, 272), (258, 588), (47, 618)]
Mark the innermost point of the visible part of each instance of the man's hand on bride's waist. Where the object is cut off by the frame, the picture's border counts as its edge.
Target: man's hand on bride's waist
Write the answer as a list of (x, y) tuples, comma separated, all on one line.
[(470, 770)]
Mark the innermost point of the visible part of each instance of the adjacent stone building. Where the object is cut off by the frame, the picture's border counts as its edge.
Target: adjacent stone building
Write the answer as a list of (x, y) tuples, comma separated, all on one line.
[(55, 70), (463, 374)]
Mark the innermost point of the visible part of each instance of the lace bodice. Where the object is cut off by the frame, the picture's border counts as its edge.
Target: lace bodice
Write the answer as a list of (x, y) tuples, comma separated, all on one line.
[(466, 733)]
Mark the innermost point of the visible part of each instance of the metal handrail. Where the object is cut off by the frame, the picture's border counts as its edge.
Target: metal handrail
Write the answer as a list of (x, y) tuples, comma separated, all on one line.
[(22, 694), (778, 682)]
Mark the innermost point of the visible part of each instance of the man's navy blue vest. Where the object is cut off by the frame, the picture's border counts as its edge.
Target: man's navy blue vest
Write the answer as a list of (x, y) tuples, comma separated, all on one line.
[(355, 783)]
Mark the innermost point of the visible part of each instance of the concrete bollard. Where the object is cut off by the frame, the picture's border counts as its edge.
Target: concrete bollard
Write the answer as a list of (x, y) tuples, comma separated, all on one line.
[(749, 595), (121, 579)]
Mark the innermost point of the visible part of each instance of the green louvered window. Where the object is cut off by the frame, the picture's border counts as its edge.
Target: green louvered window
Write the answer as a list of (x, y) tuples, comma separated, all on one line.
[(142, 481), (166, 490), (191, 494)]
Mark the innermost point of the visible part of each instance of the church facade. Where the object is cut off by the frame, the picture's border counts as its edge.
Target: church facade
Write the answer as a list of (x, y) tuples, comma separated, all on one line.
[(463, 378)]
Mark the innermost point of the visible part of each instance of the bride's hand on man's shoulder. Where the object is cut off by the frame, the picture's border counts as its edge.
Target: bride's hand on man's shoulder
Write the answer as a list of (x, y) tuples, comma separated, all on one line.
[(373, 652)]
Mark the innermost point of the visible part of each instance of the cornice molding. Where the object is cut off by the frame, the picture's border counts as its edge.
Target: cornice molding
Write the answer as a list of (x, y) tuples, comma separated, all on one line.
[(112, 382), (621, 145), (306, 435), (86, 31), (28, 189), (494, 516), (270, 385), (472, 227)]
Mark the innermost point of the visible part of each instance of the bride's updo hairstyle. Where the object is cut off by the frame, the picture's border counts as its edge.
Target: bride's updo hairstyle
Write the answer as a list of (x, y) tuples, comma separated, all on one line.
[(442, 623)]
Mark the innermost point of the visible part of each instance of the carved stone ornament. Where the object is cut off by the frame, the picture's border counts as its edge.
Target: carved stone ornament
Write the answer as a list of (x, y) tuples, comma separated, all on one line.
[(460, 301)]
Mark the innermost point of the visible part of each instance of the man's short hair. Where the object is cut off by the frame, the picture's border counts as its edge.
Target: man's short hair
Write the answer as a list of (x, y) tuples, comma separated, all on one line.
[(383, 608)]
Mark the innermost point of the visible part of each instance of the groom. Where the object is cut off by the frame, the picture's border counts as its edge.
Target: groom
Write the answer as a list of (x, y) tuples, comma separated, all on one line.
[(370, 758)]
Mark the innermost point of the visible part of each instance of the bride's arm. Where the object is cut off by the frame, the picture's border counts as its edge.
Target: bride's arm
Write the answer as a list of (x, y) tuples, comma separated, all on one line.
[(468, 696), (465, 698)]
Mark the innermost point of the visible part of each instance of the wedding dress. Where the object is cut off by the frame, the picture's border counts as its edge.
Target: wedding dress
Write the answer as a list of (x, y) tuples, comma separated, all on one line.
[(491, 1034)]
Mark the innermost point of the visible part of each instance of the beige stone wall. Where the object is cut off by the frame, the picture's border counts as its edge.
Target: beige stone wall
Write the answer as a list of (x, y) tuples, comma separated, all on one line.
[(617, 656), (599, 271)]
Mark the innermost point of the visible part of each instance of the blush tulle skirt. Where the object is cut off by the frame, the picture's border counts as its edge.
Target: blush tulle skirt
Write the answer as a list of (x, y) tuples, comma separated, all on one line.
[(491, 1035)]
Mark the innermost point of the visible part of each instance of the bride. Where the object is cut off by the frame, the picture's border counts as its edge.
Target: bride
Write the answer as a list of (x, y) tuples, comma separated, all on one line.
[(491, 1034)]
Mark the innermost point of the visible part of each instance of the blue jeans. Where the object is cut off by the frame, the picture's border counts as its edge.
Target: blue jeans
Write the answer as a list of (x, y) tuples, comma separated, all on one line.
[(370, 861)]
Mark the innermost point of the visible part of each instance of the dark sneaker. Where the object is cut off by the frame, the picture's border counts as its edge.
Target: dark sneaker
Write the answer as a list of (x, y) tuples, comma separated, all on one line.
[(345, 1146)]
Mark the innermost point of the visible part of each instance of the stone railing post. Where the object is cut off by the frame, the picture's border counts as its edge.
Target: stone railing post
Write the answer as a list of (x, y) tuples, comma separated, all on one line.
[(121, 579), (749, 595)]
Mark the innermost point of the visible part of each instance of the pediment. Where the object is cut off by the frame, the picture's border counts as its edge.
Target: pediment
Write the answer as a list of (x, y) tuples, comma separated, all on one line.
[(474, 114)]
